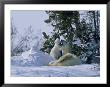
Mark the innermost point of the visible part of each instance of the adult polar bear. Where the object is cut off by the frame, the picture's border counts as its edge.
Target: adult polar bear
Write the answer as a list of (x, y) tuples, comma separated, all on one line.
[(67, 59)]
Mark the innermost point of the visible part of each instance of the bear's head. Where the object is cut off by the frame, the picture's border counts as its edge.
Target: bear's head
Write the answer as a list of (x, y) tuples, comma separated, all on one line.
[(57, 41)]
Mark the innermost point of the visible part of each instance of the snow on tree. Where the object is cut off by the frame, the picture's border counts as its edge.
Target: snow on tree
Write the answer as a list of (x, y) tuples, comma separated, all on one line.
[(73, 26), (21, 43)]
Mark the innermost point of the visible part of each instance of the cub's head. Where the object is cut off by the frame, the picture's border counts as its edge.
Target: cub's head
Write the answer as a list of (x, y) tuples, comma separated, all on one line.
[(57, 41)]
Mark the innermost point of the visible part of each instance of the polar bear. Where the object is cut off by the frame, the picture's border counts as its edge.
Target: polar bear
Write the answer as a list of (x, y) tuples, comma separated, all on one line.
[(65, 47), (56, 50), (66, 60)]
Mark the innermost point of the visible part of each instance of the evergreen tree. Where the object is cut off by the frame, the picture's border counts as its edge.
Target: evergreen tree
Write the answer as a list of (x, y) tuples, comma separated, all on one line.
[(62, 22), (70, 26)]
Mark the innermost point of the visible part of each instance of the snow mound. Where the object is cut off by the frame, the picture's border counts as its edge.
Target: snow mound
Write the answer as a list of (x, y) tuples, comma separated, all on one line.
[(34, 64), (84, 70), (37, 58)]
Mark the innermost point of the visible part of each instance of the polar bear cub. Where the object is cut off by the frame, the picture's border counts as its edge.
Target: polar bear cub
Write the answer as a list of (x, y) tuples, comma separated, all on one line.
[(56, 50)]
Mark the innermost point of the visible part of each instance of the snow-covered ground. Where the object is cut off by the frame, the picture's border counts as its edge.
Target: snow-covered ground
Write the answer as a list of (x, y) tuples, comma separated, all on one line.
[(84, 70), (35, 64)]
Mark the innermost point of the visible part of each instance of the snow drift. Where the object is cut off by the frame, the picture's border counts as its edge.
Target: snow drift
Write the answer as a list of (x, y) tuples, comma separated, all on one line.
[(37, 58), (34, 64), (84, 70)]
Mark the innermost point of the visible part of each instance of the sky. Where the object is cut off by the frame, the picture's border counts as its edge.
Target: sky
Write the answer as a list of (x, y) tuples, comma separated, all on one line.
[(23, 19)]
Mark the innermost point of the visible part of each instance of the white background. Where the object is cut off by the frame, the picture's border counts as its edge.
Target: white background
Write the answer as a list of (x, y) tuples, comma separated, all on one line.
[(56, 80)]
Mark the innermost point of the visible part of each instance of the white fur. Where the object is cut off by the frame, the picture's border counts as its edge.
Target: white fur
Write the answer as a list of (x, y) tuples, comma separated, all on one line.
[(55, 51), (66, 60)]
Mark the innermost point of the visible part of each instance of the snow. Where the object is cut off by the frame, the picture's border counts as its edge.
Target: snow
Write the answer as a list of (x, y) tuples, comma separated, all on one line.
[(36, 58), (34, 63), (84, 70)]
